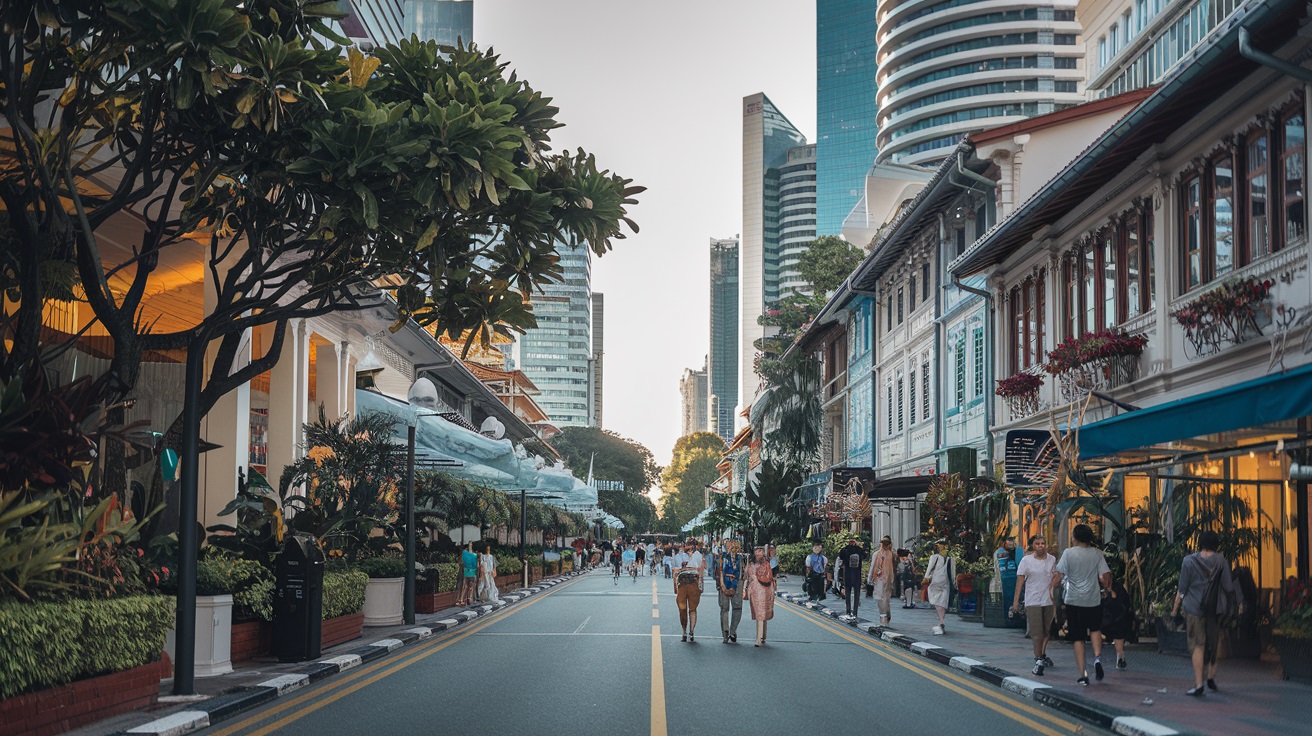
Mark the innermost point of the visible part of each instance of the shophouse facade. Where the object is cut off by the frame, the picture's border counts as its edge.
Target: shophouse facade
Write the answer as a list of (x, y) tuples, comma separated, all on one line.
[(1184, 223)]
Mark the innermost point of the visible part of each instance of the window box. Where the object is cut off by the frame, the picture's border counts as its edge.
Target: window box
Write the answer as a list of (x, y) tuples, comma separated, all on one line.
[(1232, 313), (1095, 361)]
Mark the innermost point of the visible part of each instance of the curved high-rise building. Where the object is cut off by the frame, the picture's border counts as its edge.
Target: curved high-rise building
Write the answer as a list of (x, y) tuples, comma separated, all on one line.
[(797, 204), (952, 67)]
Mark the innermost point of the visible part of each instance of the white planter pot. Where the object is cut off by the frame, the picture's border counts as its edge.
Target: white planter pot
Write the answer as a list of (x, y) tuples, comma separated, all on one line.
[(213, 636), (384, 599)]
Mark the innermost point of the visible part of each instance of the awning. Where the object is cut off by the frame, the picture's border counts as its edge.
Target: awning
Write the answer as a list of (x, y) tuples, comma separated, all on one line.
[(906, 486), (1252, 403)]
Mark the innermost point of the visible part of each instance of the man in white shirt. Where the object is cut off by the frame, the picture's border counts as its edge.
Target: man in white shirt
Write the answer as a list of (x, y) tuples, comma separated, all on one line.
[(689, 568), (1034, 576), (1087, 578)]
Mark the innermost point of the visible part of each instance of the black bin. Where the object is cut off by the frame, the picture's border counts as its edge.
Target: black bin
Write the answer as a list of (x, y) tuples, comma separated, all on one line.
[(298, 600)]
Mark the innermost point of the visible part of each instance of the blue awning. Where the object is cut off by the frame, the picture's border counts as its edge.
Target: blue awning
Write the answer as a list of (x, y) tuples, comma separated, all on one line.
[(1264, 400)]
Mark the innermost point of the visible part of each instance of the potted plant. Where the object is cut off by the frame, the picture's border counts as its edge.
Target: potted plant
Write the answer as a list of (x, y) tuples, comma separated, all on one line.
[(218, 577), (384, 596), (1292, 634), (1021, 392)]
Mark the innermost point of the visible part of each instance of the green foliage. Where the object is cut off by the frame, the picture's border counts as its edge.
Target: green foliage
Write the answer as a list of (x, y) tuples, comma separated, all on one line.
[(254, 602), (52, 643), (790, 417), (683, 484), (382, 567), (826, 263), (613, 457), (343, 593), (1296, 621), (218, 573), (792, 557)]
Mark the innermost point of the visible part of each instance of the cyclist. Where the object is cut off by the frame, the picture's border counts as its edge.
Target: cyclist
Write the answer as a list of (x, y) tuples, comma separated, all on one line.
[(615, 562), (640, 558), (629, 557)]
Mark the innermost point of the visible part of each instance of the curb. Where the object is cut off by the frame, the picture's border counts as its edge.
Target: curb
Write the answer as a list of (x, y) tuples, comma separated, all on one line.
[(1114, 719), (206, 713)]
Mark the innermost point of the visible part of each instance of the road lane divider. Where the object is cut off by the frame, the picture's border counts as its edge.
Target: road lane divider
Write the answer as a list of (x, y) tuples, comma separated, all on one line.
[(658, 727)]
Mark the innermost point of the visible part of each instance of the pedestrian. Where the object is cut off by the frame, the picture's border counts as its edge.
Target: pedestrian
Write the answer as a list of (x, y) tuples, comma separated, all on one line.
[(761, 584), (908, 577), (850, 558), (688, 587), (1206, 592), (487, 578), (1085, 577), (940, 571), (1034, 578), (816, 566), (640, 557), (774, 559), (668, 560), (881, 577), (468, 575), (729, 570), (1118, 619)]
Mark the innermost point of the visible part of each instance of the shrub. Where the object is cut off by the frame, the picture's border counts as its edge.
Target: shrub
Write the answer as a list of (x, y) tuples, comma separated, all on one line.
[(343, 593), (220, 574), (382, 567), (792, 557), (47, 644), (255, 601)]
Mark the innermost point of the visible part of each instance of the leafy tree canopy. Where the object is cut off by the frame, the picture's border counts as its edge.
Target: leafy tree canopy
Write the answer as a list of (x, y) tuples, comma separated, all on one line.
[(684, 482), (827, 262), (613, 457)]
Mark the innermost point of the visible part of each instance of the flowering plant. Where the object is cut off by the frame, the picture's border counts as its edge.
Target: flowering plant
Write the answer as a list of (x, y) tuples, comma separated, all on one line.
[(1231, 307), (1074, 352), (1021, 384)]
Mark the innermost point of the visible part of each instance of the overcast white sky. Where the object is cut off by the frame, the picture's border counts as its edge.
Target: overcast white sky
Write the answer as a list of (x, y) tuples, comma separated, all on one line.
[(655, 90)]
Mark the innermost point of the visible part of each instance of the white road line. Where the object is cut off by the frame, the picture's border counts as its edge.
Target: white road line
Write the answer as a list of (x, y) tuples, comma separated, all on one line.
[(585, 623)]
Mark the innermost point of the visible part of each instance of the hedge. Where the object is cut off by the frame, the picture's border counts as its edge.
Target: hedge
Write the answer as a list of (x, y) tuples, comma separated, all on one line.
[(343, 593), (46, 644)]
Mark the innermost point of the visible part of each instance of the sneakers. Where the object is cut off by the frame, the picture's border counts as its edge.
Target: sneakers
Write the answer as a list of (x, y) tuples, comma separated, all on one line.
[(1038, 667), (1211, 684), (1083, 681), (938, 630), (1197, 692), (1047, 661), (1120, 663), (1097, 670)]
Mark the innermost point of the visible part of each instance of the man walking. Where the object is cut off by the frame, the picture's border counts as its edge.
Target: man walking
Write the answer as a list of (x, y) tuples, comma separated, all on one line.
[(881, 578), (729, 566), (850, 558), (1207, 592), (1084, 571), (816, 565), (1034, 577)]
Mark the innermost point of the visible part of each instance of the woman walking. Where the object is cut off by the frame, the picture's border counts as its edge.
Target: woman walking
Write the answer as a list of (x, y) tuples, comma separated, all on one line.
[(487, 578), (938, 576), (909, 579), (760, 591)]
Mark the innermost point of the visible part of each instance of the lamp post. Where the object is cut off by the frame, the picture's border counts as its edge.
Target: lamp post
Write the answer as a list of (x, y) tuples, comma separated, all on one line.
[(523, 533), (409, 610)]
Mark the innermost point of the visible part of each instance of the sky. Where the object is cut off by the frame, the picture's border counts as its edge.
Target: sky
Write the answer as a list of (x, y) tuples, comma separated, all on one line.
[(654, 89)]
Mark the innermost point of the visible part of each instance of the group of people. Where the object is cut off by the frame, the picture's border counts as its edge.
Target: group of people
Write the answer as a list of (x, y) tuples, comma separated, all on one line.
[(478, 577), (737, 578), (891, 572)]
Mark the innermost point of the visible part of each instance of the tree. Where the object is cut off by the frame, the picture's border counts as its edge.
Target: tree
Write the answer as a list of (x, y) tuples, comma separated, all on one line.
[(683, 484), (827, 262), (306, 179), (609, 455)]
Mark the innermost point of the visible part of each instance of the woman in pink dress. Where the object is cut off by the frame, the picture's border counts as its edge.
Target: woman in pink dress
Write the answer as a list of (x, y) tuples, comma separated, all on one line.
[(760, 592)]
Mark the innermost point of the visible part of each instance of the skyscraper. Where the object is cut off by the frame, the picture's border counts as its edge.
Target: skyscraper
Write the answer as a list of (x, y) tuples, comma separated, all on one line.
[(845, 94), (444, 21), (768, 137), (947, 69), (722, 363), (598, 350), (797, 205), (370, 23), (693, 390), (557, 355)]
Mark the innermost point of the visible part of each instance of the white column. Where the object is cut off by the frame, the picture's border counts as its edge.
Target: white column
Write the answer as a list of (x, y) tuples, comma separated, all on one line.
[(328, 381), (1166, 265), (228, 425), (287, 382)]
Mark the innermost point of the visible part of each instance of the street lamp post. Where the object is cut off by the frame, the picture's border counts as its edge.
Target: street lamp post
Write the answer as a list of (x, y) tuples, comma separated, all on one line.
[(410, 524), (523, 533), (184, 661)]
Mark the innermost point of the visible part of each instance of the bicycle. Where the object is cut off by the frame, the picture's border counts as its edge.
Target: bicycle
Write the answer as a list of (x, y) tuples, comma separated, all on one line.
[(615, 576), (633, 572)]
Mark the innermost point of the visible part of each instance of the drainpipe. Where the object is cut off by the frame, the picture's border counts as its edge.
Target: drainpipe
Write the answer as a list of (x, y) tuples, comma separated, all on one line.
[(990, 338), (1247, 51)]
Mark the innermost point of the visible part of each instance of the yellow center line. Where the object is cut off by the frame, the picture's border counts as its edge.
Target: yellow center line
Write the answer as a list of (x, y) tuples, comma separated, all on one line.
[(345, 687), (657, 684), (921, 668), (655, 613)]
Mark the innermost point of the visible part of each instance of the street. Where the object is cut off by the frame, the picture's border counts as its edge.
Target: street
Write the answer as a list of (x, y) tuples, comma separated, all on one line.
[(594, 655)]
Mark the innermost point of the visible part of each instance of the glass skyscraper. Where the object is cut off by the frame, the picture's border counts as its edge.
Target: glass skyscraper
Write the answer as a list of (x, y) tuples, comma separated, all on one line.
[(443, 21), (557, 355), (845, 97), (722, 363)]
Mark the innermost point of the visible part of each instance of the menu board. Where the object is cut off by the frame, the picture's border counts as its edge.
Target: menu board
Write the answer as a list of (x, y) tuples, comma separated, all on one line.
[(1030, 459)]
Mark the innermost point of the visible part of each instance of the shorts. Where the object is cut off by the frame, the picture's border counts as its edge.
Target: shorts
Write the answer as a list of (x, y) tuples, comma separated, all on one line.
[(1080, 620), (1038, 620), (1204, 632)]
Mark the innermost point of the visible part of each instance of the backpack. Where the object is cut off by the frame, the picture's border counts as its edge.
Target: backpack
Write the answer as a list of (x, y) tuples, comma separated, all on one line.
[(1217, 601)]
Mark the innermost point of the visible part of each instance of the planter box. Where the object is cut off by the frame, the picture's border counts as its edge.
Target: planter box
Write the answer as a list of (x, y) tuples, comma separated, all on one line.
[(341, 629), (251, 639), (1295, 658), (1170, 641), (66, 707), (434, 602), (213, 635), (384, 601)]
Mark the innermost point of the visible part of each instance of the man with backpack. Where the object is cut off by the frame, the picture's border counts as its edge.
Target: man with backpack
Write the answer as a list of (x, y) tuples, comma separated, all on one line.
[(1208, 595), (850, 559)]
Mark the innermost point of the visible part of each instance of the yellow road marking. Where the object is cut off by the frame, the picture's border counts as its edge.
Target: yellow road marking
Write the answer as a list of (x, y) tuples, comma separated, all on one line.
[(655, 613), (345, 687), (920, 668), (657, 685)]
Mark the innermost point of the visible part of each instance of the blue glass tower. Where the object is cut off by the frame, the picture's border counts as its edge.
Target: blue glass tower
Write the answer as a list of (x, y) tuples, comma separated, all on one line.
[(443, 21), (846, 107)]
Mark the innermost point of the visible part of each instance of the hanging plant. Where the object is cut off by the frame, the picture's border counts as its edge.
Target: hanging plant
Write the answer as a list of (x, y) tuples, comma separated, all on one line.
[(1021, 384)]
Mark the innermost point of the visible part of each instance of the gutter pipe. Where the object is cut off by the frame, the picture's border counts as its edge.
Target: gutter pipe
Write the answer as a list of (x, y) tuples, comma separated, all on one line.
[(1247, 51)]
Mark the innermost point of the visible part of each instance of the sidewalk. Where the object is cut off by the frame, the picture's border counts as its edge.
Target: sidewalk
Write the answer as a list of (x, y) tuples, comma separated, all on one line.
[(1252, 698), (264, 679)]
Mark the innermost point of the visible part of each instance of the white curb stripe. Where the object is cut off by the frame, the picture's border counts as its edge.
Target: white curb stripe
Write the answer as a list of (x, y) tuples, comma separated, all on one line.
[(963, 663), (421, 631), (888, 635), (1139, 726), (179, 723), (921, 647), (1023, 686), (286, 683), (449, 622), (389, 644), (343, 662)]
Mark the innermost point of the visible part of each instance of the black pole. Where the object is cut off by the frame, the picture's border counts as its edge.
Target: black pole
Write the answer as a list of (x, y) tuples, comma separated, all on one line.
[(184, 652), (523, 532), (410, 526)]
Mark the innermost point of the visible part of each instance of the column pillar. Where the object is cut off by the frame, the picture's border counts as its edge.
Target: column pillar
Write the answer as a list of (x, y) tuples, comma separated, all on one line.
[(228, 424), (287, 382), (328, 380), (1166, 266)]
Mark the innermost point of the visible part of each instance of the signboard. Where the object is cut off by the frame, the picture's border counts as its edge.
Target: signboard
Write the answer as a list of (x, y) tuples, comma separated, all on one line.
[(854, 480), (609, 485), (1030, 458)]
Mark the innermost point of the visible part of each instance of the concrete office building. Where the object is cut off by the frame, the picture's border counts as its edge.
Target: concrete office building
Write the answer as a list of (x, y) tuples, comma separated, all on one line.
[(444, 21), (722, 363), (598, 351), (845, 107), (1132, 44), (557, 355), (768, 137), (693, 389), (947, 69)]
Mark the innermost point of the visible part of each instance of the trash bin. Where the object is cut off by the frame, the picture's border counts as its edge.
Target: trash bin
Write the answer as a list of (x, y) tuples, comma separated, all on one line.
[(298, 600)]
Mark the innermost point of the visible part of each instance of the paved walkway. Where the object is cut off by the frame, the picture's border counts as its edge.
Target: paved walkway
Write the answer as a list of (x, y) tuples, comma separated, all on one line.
[(1252, 697)]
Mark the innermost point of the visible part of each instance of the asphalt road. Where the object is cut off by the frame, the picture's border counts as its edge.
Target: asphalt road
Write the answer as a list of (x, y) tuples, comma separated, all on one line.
[(592, 656)]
